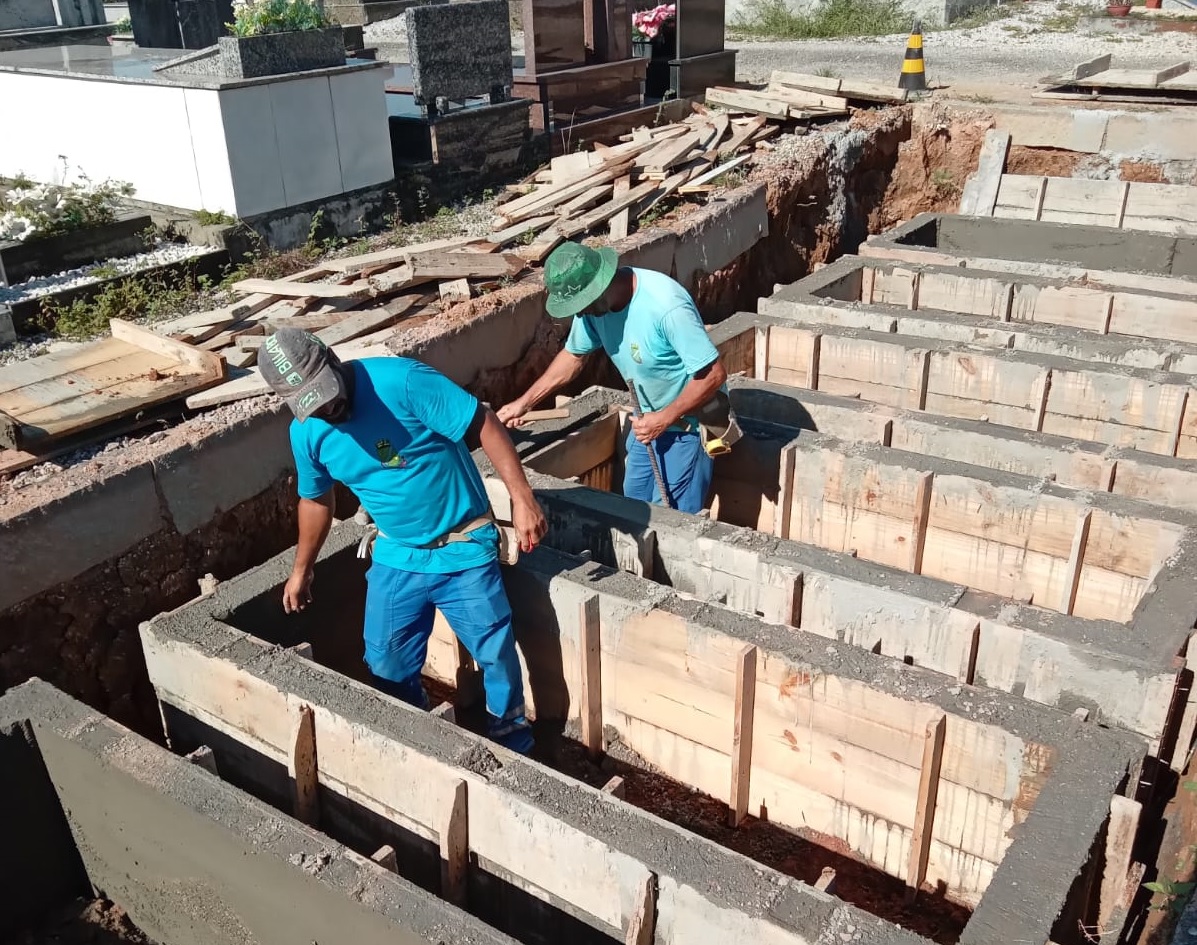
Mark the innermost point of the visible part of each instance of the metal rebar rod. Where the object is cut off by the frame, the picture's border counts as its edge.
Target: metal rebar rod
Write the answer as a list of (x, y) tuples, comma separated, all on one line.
[(652, 455)]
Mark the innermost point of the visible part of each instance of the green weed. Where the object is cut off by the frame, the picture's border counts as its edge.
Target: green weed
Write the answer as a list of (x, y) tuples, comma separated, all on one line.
[(773, 19)]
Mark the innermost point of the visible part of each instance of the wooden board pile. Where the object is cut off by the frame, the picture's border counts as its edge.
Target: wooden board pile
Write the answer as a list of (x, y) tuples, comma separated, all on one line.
[(800, 97), (66, 399), (1096, 79)]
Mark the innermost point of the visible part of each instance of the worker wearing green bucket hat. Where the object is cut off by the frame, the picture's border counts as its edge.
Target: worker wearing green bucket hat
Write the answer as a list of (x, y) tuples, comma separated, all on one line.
[(650, 328)]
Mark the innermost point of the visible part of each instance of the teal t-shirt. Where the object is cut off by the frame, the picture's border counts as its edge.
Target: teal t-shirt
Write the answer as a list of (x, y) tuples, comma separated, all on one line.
[(402, 454), (658, 341)]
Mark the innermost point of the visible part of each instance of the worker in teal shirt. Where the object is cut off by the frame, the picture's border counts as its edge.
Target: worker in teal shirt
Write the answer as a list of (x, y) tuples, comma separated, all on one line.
[(649, 326), (399, 434)]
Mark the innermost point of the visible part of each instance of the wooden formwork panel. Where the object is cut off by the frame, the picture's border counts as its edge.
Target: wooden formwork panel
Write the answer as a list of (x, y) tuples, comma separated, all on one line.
[(1054, 551)]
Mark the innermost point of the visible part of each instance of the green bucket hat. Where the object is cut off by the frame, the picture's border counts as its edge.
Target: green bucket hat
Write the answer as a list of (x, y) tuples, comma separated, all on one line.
[(576, 275)]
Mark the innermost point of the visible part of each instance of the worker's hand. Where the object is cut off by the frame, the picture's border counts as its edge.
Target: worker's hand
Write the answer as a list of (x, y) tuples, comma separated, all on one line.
[(529, 522), (649, 426), (511, 415), (298, 592)]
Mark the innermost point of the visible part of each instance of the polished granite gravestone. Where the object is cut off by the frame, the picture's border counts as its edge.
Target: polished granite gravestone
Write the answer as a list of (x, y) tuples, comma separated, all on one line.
[(459, 50), (27, 14), (179, 24)]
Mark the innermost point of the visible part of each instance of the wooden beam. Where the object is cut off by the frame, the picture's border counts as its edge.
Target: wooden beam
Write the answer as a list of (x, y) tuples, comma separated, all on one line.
[(924, 812), (741, 750), (812, 364), (1120, 845), (385, 857), (783, 510), (454, 834), (302, 290), (591, 702), (302, 649), (303, 767), (1076, 558), (619, 222), (793, 605), (615, 787), (642, 926), (445, 711), (826, 881)]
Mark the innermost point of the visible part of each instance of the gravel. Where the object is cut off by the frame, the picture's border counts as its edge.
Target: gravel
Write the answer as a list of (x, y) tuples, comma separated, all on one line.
[(1036, 40), (162, 254)]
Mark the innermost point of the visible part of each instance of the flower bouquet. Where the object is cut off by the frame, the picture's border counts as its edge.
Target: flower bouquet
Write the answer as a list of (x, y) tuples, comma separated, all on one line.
[(647, 25)]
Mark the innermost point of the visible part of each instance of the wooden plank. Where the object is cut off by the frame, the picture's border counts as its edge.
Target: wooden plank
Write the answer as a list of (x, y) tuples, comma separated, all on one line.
[(549, 197), (1121, 833), (394, 255), (921, 517), (670, 153), (1076, 560), (556, 413), (740, 135), (981, 189), (520, 230), (696, 184), (968, 664), (362, 323), (446, 712), (464, 265), (616, 787), (605, 212), (302, 766), (301, 649), (203, 361), (804, 98), (454, 837), (619, 222), (591, 695), (924, 813), (385, 857), (204, 757), (742, 100), (785, 491), (584, 200), (826, 881), (741, 748), (642, 925), (301, 290)]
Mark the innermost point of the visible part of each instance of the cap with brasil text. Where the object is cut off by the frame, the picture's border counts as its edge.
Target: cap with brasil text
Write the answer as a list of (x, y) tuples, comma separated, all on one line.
[(299, 368)]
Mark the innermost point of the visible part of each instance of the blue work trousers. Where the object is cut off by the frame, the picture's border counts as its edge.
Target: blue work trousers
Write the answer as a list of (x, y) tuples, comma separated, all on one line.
[(400, 607), (685, 467)]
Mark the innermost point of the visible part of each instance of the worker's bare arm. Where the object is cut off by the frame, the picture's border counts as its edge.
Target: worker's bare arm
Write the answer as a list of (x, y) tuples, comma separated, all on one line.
[(526, 515), (563, 369), (315, 520), (700, 389)]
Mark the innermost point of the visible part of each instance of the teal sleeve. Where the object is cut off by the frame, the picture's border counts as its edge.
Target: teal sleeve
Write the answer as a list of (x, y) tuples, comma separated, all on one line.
[(583, 339), (312, 479), (438, 403), (686, 334)]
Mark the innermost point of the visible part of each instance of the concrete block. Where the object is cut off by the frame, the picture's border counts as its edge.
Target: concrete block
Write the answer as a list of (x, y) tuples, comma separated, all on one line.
[(716, 235), (224, 469), (51, 544), (250, 57), (1153, 136), (459, 50), (1083, 131)]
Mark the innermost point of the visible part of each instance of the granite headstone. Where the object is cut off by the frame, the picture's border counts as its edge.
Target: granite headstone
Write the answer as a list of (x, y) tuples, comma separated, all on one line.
[(459, 50), (202, 22), (155, 24), (27, 14)]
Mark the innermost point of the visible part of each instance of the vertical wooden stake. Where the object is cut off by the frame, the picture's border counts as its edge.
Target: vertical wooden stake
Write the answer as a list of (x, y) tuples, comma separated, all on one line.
[(615, 787), (1041, 411), (1120, 845), (467, 678), (868, 279), (455, 845), (785, 491), (1105, 328), (385, 857), (302, 649), (915, 280), (924, 812), (792, 614), (922, 514), (968, 664), (642, 927), (826, 881), (924, 381), (591, 707), (303, 767), (1122, 199), (1174, 446), (1039, 198), (204, 758), (760, 354), (165, 727), (812, 364), (1008, 303), (741, 750), (445, 711), (1076, 558)]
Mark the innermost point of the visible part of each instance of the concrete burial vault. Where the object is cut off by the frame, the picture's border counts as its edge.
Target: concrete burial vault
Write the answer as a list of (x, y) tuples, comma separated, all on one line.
[(937, 618)]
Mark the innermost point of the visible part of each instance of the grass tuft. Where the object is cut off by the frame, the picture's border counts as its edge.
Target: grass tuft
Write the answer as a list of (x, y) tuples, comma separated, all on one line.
[(773, 19)]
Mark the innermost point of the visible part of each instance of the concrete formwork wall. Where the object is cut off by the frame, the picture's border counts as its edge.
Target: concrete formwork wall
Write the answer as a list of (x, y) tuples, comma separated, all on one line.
[(1125, 675), (668, 687), (193, 860)]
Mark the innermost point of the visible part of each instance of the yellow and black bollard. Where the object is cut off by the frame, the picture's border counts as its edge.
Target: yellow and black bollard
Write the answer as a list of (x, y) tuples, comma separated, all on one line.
[(914, 75)]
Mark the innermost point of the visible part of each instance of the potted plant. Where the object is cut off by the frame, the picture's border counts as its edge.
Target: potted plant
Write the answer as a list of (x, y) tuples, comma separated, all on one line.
[(274, 37), (654, 37), (1118, 9)]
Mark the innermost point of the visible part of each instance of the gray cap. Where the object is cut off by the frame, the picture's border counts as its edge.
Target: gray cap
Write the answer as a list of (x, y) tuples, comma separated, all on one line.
[(299, 368)]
